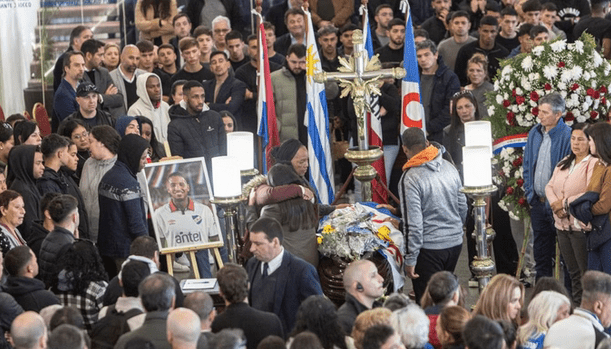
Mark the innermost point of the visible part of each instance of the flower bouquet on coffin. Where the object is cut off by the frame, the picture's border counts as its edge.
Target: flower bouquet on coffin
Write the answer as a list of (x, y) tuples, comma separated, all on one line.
[(576, 71)]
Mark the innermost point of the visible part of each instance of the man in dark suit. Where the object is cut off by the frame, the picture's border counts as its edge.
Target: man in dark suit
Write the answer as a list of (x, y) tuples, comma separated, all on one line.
[(233, 286), (294, 18), (279, 281), (111, 100), (224, 92)]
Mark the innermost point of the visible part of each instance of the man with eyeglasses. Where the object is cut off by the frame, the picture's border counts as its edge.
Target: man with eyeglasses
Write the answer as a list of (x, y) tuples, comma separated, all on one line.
[(89, 113), (220, 27), (290, 95)]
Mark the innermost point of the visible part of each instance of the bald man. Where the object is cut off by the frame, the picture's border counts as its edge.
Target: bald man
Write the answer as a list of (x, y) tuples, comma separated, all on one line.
[(183, 328), (28, 331), (124, 77), (363, 285)]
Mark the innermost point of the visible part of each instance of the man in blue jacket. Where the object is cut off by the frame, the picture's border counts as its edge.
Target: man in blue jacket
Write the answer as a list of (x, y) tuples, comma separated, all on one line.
[(548, 142)]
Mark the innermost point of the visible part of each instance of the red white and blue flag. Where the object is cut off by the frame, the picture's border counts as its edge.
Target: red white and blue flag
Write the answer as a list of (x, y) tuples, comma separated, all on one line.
[(379, 195), (266, 111), (412, 112)]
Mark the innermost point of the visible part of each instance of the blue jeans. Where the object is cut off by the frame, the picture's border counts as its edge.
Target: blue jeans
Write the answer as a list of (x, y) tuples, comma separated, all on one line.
[(600, 259), (544, 232)]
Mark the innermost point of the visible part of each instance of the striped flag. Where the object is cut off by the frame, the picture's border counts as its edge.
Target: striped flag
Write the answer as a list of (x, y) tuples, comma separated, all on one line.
[(266, 111), (317, 122), (412, 112), (379, 195)]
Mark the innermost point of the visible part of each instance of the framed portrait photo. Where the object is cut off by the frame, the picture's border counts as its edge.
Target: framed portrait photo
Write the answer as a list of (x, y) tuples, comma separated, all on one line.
[(179, 195)]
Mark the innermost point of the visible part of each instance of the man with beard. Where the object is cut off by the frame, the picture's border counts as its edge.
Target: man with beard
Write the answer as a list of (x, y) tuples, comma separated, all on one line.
[(126, 73), (290, 95), (167, 60), (195, 130), (185, 222), (327, 39), (393, 52), (383, 16), (224, 92), (64, 101)]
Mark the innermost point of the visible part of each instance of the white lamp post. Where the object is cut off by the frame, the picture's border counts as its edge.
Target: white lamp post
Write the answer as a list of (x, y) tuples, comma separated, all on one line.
[(227, 185)]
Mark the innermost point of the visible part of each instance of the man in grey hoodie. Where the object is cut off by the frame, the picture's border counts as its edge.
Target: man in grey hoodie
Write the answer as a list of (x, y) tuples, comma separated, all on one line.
[(433, 209)]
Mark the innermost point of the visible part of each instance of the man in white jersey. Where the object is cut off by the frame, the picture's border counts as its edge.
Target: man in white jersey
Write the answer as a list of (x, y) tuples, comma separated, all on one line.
[(184, 222)]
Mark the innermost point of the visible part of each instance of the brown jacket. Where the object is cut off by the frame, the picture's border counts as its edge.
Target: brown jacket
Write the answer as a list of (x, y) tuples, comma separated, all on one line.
[(601, 183), (343, 10), (149, 25)]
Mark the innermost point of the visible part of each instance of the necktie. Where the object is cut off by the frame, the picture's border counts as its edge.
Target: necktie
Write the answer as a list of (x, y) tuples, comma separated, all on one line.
[(265, 267)]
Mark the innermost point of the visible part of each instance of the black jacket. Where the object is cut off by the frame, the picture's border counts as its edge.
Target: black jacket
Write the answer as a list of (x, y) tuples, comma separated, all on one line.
[(61, 182), (465, 53), (242, 316), (101, 117), (192, 136), (52, 246), (38, 233), (194, 10), (347, 313), (9, 310), (21, 178), (29, 293), (114, 291), (581, 208)]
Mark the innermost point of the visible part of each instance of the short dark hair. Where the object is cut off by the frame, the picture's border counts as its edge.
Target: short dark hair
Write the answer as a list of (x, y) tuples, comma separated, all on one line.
[(201, 30), (61, 207), (531, 6), (16, 260), (293, 11), (492, 6), (157, 291), (132, 273), (423, 45), (413, 137), (91, 46), (440, 288), (108, 136), (270, 227), (488, 20), (395, 21), (525, 29), (269, 26), (381, 7), (348, 27), (509, 11), (189, 85), (66, 337), (187, 43), (67, 315), (45, 201), (461, 13), (272, 342), (536, 30), (144, 246), (52, 143), (551, 7), (510, 332), (250, 38), (216, 53), (298, 50), (165, 46), (68, 57), (179, 16), (175, 86), (145, 46), (376, 336), (76, 32), (483, 333), (233, 283), (201, 303), (234, 34), (6, 197), (421, 32)]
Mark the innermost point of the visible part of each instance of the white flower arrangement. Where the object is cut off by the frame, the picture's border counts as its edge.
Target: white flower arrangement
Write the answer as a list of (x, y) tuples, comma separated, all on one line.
[(577, 71)]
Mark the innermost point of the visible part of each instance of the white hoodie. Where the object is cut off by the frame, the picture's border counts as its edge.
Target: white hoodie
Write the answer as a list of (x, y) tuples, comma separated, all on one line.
[(144, 107)]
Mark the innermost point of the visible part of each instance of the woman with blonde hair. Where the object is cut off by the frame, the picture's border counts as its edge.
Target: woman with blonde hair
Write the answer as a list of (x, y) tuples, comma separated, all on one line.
[(450, 324), (112, 56), (502, 299), (543, 311), (477, 73), (367, 319)]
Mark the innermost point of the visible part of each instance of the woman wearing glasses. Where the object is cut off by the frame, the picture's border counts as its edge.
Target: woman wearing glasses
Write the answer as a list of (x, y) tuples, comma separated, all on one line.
[(77, 131)]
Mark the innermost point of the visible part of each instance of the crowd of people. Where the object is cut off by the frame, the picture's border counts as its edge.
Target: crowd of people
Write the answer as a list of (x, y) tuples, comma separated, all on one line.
[(82, 267)]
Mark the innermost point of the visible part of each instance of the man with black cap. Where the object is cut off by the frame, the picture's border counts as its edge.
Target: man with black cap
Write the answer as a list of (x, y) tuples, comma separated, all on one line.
[(436, 210), (123, 218), (89, 112)]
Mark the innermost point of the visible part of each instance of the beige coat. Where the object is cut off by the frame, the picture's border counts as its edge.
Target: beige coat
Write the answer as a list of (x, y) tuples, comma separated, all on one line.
[(148, 24)]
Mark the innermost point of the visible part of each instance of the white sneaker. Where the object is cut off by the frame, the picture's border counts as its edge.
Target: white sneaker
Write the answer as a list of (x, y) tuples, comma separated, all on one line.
[(183, 260), (179, 268)]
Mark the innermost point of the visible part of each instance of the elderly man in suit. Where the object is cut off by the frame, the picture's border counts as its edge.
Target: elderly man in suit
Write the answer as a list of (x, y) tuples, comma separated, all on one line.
[(279, 281)]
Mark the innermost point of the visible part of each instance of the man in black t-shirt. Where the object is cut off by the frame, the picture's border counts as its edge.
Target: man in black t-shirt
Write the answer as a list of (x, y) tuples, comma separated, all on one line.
[(193, 69), (393, 52), (595, 24)]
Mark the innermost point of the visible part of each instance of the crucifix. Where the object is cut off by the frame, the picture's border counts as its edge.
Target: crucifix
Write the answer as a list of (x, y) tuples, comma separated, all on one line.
[(360, 78)]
